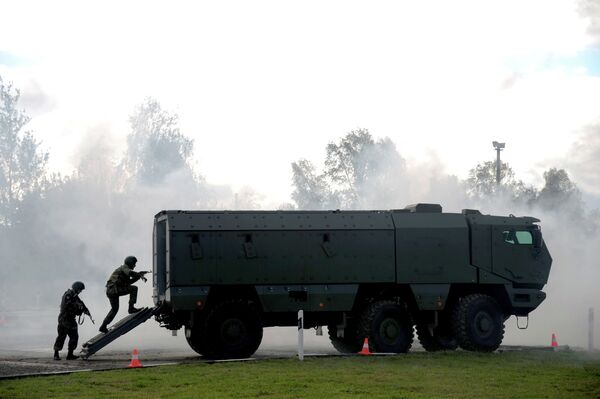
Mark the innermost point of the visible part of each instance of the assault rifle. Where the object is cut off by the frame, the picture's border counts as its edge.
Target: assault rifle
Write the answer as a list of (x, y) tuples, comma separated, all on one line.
[(142, 273)]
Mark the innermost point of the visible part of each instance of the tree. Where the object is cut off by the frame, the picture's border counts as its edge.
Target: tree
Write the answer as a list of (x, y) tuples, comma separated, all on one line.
[(311, 190), (22, 163), (560, 192), (364, 172), (482, 186), (346, 163), (155, 146), (359, 172)]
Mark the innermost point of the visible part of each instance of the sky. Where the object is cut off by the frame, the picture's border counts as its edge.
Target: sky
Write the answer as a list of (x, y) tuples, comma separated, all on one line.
[(260, 84)]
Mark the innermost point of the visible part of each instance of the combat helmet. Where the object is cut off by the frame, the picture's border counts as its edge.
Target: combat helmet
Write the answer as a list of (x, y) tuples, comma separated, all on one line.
[(78, 286), (130, 261)]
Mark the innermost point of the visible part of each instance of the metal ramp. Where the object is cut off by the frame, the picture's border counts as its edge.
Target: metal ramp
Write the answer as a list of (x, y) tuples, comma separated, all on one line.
[(122, 327)]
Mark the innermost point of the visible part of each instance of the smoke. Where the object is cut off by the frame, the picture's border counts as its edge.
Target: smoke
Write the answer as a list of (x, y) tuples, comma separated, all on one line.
[(570, 231), (584, 159), (35, 99), (83, 226), (590, 10), (572, 285)]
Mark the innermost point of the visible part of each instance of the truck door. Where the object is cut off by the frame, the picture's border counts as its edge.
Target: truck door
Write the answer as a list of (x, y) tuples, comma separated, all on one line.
[(514, 255)]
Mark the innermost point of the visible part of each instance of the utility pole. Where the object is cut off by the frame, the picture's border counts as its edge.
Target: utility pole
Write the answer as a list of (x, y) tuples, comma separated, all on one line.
[(498, 147)]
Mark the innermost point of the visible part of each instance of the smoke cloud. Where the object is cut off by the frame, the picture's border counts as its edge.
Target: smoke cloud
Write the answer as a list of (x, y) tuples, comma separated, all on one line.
[(83, 225), (584, 159), (569, 227), (590, 9)]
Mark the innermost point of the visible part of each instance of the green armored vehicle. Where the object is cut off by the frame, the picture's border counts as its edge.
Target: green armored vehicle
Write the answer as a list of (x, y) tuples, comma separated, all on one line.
[(457, 277)]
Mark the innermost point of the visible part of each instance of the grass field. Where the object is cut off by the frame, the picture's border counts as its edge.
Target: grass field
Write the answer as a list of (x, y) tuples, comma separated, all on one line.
[(416, 375)]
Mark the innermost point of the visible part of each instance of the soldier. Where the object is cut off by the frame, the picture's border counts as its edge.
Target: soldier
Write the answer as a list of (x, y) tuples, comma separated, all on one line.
[(70, 306), (119, 284)]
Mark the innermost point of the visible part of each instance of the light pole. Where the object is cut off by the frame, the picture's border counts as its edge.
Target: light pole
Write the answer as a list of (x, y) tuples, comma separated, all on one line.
[(498, 147)]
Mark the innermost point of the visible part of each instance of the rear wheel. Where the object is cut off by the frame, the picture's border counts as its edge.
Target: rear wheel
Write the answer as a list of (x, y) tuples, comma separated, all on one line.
[(478, 323), (233, 329), (440, 339), (388, 326), (194, 335), (350, 343)]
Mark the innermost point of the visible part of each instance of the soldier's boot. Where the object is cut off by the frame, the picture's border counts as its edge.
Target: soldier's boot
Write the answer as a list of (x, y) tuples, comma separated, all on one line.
[(56, 356), (103, 328), (71, 356), (133, 309)]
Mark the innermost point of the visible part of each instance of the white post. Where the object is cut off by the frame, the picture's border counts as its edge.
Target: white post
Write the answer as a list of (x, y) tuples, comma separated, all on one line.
[(301, 335), (591, 330)]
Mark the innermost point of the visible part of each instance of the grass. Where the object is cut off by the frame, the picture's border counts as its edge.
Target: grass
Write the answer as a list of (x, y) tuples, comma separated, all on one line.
[(416, 375)]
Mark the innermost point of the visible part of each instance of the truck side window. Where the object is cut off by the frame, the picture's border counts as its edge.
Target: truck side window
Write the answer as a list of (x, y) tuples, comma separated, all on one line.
[(522, 237)]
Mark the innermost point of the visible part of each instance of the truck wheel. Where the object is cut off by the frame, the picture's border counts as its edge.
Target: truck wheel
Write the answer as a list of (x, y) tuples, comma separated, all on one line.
[(388, 326), (351, 343), (233, 329), (440, 340), (194, 339), (478, 323), (195, 335)]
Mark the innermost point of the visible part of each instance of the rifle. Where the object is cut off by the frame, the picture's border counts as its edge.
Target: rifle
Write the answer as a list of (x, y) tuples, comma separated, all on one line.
[(142, 273), (86, 311)]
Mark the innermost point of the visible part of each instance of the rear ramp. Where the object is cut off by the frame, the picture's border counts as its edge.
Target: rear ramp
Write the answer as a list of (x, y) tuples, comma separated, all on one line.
[(122, 327)]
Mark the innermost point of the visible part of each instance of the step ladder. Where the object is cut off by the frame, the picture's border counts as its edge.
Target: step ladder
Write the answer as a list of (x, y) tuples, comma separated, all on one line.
[(122, 327)]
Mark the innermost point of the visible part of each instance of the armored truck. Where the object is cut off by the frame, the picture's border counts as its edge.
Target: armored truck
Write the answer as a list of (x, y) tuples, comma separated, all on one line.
[(454, 278)]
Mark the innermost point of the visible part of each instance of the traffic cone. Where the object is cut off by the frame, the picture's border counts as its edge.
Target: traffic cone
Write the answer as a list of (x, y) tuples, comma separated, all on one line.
[(135, 361), (365, 349), (554, 343)]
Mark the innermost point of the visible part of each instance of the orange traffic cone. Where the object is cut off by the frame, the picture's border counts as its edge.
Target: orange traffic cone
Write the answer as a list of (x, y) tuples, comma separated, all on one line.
[(365, 349), (135, 361), (554, 343)]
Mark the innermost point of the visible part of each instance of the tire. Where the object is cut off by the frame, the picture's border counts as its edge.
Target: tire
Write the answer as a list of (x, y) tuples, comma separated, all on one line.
[(440, 340), (195, 339), (388, 326), (478, 323), (196, 334), (233, 330), (350, 343)]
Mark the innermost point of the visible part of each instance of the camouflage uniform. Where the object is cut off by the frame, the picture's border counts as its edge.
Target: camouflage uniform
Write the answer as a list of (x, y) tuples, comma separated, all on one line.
[(70, 307), (119, 284)]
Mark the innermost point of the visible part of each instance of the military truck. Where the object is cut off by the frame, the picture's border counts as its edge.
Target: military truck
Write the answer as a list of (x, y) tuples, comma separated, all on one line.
[(456, 277)]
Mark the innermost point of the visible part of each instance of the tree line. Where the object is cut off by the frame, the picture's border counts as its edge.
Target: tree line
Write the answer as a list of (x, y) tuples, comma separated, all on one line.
[(53, 226), (358, 170)]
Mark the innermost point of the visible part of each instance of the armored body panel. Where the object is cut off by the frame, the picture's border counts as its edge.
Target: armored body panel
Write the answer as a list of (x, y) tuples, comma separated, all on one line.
[(335, 265)]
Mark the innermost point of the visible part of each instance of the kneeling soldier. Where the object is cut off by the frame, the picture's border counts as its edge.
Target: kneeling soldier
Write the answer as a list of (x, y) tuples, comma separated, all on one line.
[(70, 306)]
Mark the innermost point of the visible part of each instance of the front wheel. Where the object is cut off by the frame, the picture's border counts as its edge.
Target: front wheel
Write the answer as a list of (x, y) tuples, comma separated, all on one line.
[(478, 323), (233, 329), (388, 326)]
